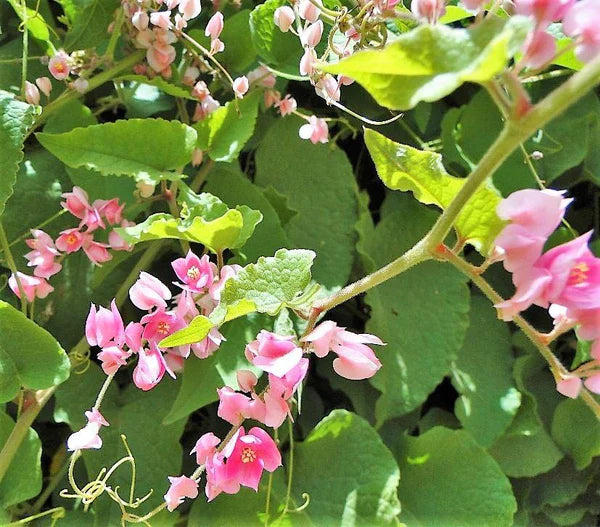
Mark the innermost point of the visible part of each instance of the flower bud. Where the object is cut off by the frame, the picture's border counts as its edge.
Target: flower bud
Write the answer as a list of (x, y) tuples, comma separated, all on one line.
[(240, 87), (140, 20), (32, 94), (309, 11), (284, 17), (214, 26), (311, 36), (44, 84)]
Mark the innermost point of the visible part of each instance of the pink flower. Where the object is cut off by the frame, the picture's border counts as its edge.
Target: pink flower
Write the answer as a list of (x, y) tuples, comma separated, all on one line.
[(58, 65), (544, 11), (240, 87), (161, 19), (328, 88), (262, 76), (355, 360), (149, 370), (43, 254), (190, 75), (197, 157), (287, 385), (33, 286), (214, 26), (200, 90), (284, 17), (539, 49), (181, 487), (80, 85), (44, 84), (311, 36), (273, 353), (308, 11), (115, 240), (160, 324), (246, 380), (189, 8), (208, 345), (88, 436), (588, 321), (593, 383), (96, 252), (582, 22), (216, 46), (149, 292), (133, 336), (518, 247), (227, 272), (197, 274), (111, 210), (140, 20), (234, 407), (71, 240), (103, 327), (316, 130), (429, 10), (276, 409), (205, 447), (32, 94), (271, 97), (112, 358), (570, 386), (287, 105), (76, 202), (160, 56)]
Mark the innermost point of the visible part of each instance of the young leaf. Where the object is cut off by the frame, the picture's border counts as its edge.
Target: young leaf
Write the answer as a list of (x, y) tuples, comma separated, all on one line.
[(147, 149), (447, 479), (15, 119), (272, 282), (225, 131), (404, 168), (197, 329), (23, 479), (431, 61), (29, 355), (349, 474)]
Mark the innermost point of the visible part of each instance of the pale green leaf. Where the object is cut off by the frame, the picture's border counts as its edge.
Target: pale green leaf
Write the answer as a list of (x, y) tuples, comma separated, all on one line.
[(405, 168), (15, 118), (147, 149), (23, 479), (160, 83), (450, 481), (349, 474), (431, 61), (29, 355), (272, 282), (196, 330)]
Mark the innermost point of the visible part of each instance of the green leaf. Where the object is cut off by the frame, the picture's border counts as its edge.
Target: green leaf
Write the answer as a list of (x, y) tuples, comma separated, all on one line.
[(576, 430), (272, 44), (405, 168), (15, 119), (197, 329), (90, 24), (29, 355), (225, 131), (239, 52), (73, 114), (202, 377), (421, 314), (272, 282), (230, 185), (158, 82), (205, 219), (482, 374), (23, 479), (135, 414), (35, 22), (450, 481), (319, 183), (147, 149), (431, 61), (349, 474)]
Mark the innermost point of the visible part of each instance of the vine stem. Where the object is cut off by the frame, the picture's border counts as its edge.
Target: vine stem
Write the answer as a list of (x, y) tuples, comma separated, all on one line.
[(13, 268), (513, 134), (25, 47)]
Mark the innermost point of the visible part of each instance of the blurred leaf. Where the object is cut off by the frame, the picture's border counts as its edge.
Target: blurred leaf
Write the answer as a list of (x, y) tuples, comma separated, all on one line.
[(147, 149), (405, 168), (157, 82), (90, 21), (23, 479), (318, 182), (424, 65), (349, 474), (450, 481), (421, 314), (239, 52), (482, 374), (36, 25), (29, 355), (15, 119)]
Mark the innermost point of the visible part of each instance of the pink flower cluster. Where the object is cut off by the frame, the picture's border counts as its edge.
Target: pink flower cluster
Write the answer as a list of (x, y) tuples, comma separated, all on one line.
[(580, 20), (564, 279), (46, 253)]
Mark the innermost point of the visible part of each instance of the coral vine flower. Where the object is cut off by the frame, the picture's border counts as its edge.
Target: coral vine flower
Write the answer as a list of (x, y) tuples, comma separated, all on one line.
[(96, 252), (181, 487), (45, 85), (189, 8), (103, 327), (570, 386), (149, 292), (309, 11), (544, 11), (316, 130), (160, 324), (205, 447), (214, 26), (70, 240), (59, 66), (284, 18), (88, 436), (287, 105), (43, 254), (240, 86), (32, 94), (197, 274), (234, 407), (33, 286), (76, 202), (150, 369), (273, 353), (582, 22), (112, 358)]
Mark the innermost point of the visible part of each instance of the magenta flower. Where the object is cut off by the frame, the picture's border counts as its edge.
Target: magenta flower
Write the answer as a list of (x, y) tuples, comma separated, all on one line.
[(544, 11), (197, 274), (208, 345), (112, 358), (150, 369), (181, 487), (276, 409), (539, 49), (205, 447), (227, 272), (133, 336), (33, 286), (287, 385), (104, 327), (273, 353), (88, 436), (160, 324), (111, 210), (149, 292), (234, 407)]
